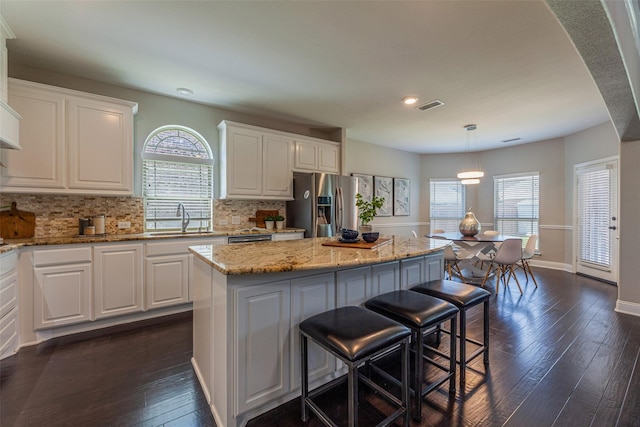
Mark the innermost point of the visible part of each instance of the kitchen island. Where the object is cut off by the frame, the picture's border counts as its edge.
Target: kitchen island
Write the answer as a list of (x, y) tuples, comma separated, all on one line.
[(248, 300)]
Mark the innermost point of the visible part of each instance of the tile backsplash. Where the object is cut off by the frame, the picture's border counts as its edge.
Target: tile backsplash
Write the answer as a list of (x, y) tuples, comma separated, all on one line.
[(58, 215)]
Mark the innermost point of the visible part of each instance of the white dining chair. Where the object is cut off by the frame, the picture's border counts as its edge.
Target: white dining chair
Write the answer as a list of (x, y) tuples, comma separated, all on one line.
[(504, 262), (451, 263), (528, 253)]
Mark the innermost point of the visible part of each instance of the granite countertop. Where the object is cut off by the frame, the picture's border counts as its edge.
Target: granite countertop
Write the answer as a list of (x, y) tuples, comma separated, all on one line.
[(66, 240), (308, 254)]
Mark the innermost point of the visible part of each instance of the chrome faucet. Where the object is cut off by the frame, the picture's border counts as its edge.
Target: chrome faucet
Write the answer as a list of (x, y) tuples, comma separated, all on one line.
[(185, 216)]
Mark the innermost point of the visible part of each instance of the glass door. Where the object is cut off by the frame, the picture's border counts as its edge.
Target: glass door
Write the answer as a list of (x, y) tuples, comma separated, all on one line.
[(597, 219)]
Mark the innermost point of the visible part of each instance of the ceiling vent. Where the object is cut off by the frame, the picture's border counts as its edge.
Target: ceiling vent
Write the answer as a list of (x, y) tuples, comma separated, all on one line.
[(432, 104)]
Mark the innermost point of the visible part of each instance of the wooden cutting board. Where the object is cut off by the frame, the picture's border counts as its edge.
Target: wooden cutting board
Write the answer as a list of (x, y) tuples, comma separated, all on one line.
[(260, 216), (15, 224), (360, 244)]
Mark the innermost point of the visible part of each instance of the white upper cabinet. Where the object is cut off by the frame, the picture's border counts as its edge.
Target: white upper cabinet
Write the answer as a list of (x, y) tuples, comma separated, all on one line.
[(316, 156), (258, 163), (9, 118), (254, 163), (72, 142)]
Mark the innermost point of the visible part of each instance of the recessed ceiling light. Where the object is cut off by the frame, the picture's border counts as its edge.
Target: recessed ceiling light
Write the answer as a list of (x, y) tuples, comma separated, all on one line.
[(410, 100), (184, 91)]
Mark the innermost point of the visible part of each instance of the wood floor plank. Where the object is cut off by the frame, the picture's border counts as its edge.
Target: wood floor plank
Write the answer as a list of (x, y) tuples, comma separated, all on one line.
[(560, 356)]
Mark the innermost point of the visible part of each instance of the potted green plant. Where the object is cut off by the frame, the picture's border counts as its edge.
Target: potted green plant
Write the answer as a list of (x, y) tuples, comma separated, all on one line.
[(279, 219), (367, 210), (269, 221)]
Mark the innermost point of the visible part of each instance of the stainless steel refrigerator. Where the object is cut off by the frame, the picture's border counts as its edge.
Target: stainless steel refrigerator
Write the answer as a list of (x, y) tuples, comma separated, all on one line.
[(323, 204)]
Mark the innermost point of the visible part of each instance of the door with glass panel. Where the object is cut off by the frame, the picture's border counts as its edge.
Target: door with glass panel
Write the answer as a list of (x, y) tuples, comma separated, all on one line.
[(597, 219)]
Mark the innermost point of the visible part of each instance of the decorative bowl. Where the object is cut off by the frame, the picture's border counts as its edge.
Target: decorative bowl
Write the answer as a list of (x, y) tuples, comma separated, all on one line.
[(349, 234), (370, 237)]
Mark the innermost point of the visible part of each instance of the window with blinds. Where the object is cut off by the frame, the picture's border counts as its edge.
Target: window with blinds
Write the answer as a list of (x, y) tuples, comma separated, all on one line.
[(595, 201), (177, 167), (516, 204), (446, 204)]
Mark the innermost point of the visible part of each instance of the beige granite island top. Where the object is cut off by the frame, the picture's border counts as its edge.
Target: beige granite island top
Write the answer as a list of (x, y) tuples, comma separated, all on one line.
[(308, 254)]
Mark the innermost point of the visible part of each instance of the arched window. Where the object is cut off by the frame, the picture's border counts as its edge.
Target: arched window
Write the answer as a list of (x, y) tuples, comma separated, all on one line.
[(177, 168)]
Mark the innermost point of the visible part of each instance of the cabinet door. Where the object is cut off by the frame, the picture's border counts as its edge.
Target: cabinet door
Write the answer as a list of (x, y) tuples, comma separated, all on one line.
[(306, 156), (243, 162), (412, 272), (166, 280), (8, 293), (434, 267), (40, 163), (8, 333), (385, 278), (328, 158), (311, 296), (353, 286), (277, 176), (62, 295), (117, 279), (100, 146), (263, 318)]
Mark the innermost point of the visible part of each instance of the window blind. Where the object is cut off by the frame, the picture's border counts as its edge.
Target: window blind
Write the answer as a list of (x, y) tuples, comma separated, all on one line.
[(516, 204), (177, 168), (594, 215), (446, 204)]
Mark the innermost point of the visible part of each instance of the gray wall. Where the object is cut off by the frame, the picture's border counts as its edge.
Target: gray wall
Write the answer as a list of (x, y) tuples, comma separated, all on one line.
[(629, 283), (373, 159)]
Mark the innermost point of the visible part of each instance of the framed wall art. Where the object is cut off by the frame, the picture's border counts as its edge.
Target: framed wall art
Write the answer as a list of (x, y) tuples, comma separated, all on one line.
[(383, 187), (401, 197), (365, 185)]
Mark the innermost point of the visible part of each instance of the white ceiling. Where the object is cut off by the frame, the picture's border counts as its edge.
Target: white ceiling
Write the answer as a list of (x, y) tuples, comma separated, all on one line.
[(506, 65)]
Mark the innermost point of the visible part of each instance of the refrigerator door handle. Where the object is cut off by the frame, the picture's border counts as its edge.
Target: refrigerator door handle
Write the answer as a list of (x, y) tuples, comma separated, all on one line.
[(339, 210)]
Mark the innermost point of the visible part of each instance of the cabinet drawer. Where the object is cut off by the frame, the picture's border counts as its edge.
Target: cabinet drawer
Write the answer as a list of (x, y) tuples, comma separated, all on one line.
[(8, 333), (62, 256), (179, 246), (8, 293), (8, 262)]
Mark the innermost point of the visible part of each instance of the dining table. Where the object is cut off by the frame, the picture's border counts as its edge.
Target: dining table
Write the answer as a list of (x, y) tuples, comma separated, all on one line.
[(471, 250)]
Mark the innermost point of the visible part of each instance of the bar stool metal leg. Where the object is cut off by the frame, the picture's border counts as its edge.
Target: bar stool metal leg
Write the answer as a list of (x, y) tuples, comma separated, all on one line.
[(305, 378)]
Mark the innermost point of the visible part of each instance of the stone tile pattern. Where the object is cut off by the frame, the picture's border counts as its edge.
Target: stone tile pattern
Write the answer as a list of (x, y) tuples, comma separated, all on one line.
[(309, 254), (245, 209), (57, 215)]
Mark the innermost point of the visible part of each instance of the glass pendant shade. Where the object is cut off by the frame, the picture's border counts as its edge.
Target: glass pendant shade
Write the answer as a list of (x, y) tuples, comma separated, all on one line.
[(469, 181), (470, 174)]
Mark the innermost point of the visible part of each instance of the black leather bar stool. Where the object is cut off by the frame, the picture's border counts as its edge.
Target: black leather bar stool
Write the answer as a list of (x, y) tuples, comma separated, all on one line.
[(464, 297), (422, 314), (354, 335)]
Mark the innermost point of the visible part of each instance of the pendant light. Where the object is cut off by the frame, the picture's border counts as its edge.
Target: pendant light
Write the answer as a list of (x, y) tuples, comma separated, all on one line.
[(471, 174)]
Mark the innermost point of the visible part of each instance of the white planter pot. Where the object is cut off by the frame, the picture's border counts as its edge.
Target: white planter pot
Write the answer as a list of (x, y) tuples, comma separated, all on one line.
[(269, 225), (280, 225)]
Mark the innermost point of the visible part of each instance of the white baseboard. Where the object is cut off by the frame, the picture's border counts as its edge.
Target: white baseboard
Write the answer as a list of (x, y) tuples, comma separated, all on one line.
[(552, 265), (628, 307)]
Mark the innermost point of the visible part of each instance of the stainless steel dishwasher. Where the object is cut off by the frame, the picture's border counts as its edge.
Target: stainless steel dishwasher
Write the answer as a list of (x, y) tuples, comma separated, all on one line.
[(250, 238)]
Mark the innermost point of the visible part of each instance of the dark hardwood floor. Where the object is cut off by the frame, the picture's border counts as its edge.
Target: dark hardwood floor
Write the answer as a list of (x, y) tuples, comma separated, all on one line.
[(560, 356)]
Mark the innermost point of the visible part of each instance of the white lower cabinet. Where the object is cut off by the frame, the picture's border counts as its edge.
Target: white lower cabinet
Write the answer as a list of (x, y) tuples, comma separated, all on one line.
[(117, 279), (8, 303), (166, 280), (62, 291), (263, 317), (287, 236), (310, 296), (168, 268)]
